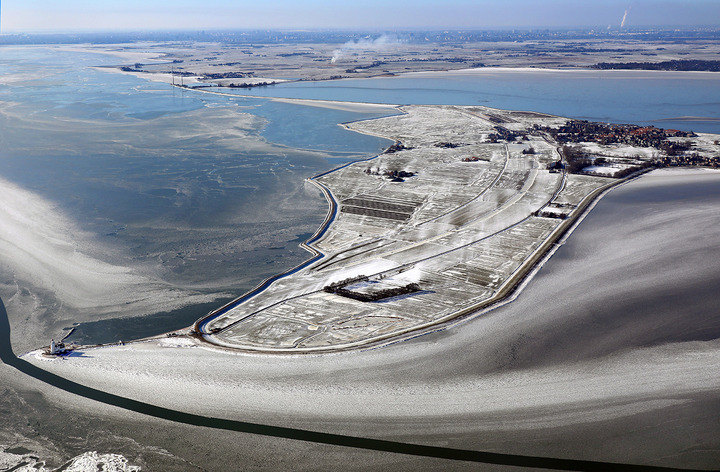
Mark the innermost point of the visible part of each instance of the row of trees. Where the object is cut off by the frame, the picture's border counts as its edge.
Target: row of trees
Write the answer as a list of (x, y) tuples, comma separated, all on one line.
[(576, 159), (680, 65)]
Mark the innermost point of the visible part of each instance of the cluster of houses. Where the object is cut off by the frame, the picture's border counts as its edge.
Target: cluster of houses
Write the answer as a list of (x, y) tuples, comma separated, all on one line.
[(502, 133), (674, 152), (398, 146), (576, 131), (693, 159)]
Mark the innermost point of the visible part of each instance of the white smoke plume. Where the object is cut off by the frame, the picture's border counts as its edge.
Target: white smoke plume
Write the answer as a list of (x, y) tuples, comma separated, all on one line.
[(624, 18), (366, 44)]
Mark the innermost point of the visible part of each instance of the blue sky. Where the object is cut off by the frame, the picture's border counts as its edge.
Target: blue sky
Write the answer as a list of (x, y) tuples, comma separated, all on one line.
[(76, 15)]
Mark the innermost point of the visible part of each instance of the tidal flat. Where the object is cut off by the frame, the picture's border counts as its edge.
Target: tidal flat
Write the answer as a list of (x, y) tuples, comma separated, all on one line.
[(569, 369)]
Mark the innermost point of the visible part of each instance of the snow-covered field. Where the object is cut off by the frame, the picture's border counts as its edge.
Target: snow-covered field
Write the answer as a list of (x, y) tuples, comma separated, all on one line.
[(620, 151), (86, 462), (604, 170)]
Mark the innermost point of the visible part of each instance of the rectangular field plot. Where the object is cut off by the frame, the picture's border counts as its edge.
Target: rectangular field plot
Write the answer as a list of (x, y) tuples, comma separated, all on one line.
[(378, 204), (390, 215)]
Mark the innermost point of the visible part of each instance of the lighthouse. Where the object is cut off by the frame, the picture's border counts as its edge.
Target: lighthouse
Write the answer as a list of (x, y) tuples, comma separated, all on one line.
[(53, 347)]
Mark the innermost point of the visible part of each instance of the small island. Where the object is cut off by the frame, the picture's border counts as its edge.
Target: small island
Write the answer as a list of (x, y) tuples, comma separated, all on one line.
[(447, 222)]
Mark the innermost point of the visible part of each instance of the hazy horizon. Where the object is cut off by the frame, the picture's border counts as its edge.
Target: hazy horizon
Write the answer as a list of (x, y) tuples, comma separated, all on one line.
[(45, 16)]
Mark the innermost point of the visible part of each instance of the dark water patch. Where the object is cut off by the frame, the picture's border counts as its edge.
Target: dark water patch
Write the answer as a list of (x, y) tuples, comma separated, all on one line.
[(301, 237), (19, 450), (18, 466), (128, 329)]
